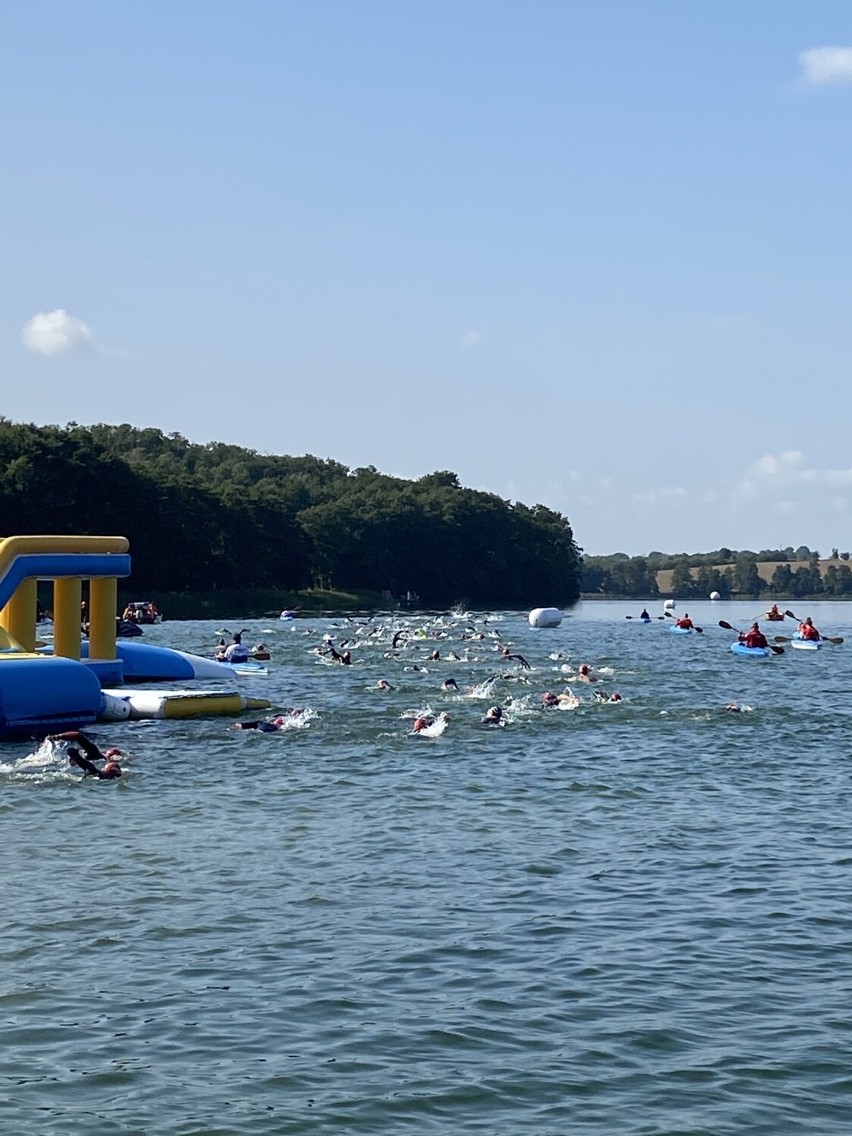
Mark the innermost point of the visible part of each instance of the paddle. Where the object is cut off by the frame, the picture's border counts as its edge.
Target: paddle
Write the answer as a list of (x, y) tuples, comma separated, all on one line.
[(700, 630), (728, 627), (838, 639), (825, 638)]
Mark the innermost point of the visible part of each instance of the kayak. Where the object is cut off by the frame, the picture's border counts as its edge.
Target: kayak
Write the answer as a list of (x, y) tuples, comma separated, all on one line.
[(675, 630), (750, 652), (800, 644), (249, 668), (647, 620)]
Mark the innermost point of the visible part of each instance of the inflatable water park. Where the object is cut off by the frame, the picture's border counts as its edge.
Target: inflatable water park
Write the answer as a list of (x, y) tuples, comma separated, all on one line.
[(75, 681)]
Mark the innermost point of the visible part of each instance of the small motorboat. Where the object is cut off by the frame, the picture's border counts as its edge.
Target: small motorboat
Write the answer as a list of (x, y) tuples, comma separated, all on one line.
[(142, 611)]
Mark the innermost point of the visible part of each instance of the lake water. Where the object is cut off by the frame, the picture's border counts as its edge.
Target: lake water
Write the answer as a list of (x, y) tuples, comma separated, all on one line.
[(628, 918)]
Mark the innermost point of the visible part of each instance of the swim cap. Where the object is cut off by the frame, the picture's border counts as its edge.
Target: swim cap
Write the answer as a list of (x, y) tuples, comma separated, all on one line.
[(111, 769), (112, 753)]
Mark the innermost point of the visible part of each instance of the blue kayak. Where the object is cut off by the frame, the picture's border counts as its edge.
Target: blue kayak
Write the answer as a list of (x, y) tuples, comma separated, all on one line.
[(750, 652), (801, 644), (675, 630)]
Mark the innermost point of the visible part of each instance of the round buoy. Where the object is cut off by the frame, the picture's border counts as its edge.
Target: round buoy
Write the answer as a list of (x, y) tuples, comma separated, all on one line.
[(669, 605), (545, 617), (715, 596)]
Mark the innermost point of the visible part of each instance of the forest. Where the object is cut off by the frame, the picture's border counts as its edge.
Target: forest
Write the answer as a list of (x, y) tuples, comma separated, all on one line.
[(775, 573), (206, 517)]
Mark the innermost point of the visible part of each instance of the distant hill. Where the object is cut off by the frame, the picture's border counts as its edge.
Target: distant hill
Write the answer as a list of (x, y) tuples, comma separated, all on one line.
[(765, 570)]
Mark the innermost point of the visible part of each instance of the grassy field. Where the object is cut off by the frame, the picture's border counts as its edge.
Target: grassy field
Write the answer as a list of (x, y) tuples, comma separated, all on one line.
[(765, 571)]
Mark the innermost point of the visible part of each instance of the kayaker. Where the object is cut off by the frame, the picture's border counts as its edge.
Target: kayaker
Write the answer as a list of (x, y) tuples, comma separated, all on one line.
[(754, 637), (111, 769), (235, 652), (685, 622), (774, 614), (644, 614), (808, 631)]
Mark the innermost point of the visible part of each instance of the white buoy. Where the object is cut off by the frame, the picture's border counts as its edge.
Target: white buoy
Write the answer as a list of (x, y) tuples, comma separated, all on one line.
[(715, 596), (669, 605), (545, 617)]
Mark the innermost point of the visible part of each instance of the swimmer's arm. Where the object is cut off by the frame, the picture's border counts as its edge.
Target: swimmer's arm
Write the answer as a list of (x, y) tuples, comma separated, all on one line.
[(85, 744)]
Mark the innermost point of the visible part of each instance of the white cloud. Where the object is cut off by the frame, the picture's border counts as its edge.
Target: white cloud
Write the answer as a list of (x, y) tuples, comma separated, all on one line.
[(55, 333), (824, 65), (471, 338)]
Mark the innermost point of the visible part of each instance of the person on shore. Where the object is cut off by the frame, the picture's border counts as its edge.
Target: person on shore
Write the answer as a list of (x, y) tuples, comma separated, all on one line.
[(111, 769), (807, 630), (754, 637)]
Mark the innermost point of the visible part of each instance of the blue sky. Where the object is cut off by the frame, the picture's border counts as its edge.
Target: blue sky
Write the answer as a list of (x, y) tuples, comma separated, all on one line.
[(593, 255)]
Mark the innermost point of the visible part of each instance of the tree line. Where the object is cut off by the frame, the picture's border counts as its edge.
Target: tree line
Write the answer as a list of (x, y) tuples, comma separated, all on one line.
[(217, 516), (797, 573)]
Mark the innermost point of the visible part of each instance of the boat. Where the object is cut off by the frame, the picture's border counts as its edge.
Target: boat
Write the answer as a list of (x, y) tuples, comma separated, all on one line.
[(773, 617), (142, 611), (675, 630), (750, 652), (800, 644), (248, 667)]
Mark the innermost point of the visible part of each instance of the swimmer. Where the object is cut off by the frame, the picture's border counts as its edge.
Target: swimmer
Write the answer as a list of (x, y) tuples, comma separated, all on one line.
[(568, 700), (585, 675), (493, 716), (450, 684), (383, 684), (602, 696), (345, 658), (424, 722), (733, 708), (520, 658), (111, 770), (269, 725), (435, 656)]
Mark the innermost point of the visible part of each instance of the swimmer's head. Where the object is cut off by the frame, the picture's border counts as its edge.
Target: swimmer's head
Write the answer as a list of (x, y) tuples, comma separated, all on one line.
[(584, 669), (111, 769), (113, 752)]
